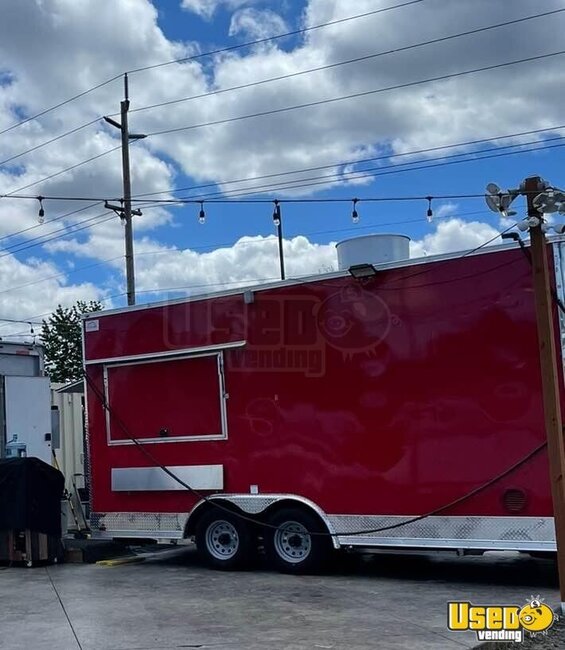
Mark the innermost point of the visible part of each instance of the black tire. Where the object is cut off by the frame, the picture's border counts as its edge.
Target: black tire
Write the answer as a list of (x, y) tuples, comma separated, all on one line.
[(290, 548), (224, 540)]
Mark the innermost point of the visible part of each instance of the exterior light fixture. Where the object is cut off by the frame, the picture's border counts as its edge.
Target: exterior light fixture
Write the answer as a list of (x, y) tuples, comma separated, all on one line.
[(361, 271)]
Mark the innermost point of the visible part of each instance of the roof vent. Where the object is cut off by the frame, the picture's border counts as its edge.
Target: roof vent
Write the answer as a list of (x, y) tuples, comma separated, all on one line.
[(372, 249)]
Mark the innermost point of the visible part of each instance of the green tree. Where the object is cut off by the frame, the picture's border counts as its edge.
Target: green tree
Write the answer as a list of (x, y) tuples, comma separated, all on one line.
[(61, 335)]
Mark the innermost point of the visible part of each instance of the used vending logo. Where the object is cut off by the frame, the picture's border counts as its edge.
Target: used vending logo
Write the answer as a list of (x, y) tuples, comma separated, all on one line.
[(501, 622)]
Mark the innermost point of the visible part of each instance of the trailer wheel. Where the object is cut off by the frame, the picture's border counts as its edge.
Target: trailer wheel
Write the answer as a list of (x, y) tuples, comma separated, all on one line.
[(223, 540), (290, 548)]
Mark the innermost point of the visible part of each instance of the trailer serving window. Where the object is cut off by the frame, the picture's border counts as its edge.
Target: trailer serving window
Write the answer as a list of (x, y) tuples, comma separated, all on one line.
[(161, 400)]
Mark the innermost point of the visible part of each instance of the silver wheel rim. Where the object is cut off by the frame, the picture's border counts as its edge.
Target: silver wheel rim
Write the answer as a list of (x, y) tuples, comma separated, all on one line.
[(222, 540), (292, 542)]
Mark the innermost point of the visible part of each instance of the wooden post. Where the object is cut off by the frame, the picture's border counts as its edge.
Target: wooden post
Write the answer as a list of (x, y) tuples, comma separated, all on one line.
[(551, 364)]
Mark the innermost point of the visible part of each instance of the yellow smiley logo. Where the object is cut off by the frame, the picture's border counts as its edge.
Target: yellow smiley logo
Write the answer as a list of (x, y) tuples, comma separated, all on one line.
[(536, 616)]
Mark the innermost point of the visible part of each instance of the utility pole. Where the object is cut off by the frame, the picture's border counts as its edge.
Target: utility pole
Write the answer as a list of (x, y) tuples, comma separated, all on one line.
[(277, 220), (125, 210), (551, 364), (541, 199)]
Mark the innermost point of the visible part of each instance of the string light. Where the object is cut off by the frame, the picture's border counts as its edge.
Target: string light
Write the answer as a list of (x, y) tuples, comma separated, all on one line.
[(354, 213), (277, 213), (201, 214), (41, 213), (430, 212)]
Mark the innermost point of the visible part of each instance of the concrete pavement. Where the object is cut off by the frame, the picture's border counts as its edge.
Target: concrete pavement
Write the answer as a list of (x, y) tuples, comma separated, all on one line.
[(379, 601)]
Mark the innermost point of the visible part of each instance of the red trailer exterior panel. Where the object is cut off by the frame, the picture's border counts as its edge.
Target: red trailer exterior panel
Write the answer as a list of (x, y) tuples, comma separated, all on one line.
[(382, 398)]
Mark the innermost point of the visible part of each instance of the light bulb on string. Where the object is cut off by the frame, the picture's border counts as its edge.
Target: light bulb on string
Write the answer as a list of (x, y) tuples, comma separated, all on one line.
[(430, 212), (41, 213), (354, 213), (277, 214), (201, 214)]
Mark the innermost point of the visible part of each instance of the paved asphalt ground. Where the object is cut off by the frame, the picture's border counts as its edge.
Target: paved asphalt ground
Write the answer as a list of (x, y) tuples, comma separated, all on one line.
[(172, 601)]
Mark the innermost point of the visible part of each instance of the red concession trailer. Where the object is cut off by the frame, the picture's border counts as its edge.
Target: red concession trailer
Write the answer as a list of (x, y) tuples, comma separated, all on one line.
[(401, 409)]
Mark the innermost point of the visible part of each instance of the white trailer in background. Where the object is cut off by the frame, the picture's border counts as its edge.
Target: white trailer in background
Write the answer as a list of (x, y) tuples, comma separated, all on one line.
[(25, 401)]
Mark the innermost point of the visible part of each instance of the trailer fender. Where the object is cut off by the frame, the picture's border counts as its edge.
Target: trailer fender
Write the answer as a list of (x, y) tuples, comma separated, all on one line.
[(258, 507)]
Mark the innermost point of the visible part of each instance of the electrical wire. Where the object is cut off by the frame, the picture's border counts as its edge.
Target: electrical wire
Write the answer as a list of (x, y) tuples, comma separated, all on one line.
[(287, 76), (40, 225), (358, 161), (50, 141), (268, 39), (63, 171), (337, 64), (209, 53), (68, 230), (291, 108), (365, 93), (238, 244), (290, 75), (59, 105), (61, 275), (19, 322), (371, 172)]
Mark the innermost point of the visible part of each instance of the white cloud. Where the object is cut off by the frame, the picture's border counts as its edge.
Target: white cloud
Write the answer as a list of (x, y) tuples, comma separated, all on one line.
[(248, 261), (72, 45), (256, 24), (454, 235), (35, 288), (207, 8)]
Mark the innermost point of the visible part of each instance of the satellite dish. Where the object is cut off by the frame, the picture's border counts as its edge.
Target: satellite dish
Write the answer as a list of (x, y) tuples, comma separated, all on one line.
[(492, 188), (546, 202), (493, 202)]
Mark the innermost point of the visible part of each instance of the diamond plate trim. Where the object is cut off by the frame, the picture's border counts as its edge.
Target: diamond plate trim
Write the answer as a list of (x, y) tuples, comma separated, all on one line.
[(161, 525), (504, 533), (495, 533)]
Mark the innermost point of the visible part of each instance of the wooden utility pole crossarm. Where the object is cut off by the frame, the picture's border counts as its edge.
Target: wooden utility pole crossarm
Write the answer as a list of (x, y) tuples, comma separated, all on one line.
[(551, 364)]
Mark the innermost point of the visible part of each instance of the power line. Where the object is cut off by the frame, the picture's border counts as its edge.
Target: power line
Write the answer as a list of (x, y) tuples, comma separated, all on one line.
[(19, 322), (371, 172), (232, 196), (291, 75), (356, 162), (50, 141), (356, 95), (217, 245), (68, 231), (59, 105), (394, 170), (237, 244), (267, 39), (60, 275), (297, 107), (209, 53), (40, 225), (63, 171), (358, 59)]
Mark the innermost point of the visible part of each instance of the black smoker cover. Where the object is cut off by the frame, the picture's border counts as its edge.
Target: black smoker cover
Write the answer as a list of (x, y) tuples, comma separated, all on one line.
[(30, 496)]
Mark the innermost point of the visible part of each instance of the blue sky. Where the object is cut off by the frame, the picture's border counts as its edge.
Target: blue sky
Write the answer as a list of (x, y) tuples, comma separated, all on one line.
[(78, 45)]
